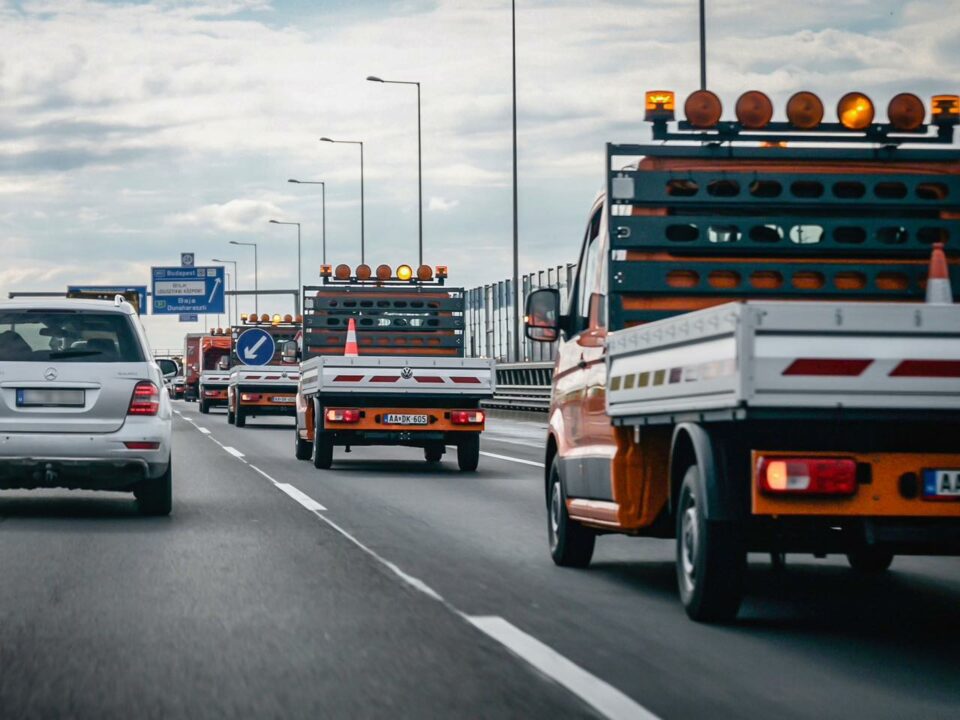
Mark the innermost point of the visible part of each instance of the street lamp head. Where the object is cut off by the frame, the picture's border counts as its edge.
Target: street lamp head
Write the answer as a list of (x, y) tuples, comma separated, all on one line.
[(326, 139), (293, 181), (374, 78), (234, 242), (275, 222)]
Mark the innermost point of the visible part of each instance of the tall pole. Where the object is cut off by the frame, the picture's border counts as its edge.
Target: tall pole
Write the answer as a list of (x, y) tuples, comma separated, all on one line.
[(363, 256), (256, 281), (703, 47), (516, 235), (323, 216), (374, 78)]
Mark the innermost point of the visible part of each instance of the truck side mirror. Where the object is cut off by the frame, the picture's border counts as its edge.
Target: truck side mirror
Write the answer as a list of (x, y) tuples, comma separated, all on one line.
[(542, 315), (290, 351)]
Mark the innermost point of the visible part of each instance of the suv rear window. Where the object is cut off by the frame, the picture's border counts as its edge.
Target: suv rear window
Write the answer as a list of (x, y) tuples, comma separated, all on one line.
[(67, 336)]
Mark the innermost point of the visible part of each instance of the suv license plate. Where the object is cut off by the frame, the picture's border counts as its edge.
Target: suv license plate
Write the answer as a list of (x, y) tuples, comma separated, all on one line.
[(283, 399), (941, 484), (397, 419), (49, 398)]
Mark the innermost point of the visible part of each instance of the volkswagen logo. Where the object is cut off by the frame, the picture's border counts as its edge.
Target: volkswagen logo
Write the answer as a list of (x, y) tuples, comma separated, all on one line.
[(50, 373), (406, 373)]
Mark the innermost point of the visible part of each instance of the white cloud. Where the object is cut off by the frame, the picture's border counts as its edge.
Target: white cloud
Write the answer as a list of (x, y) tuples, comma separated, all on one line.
[(233, 216), (440, 204)]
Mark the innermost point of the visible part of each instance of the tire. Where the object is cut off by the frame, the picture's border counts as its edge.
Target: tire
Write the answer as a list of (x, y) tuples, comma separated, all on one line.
[(711, 558), (239, 418), (155, 496), (571, 544), (204, 407), (433, 454), (468, 452), (870, 560), (302, 448), (322, 450)]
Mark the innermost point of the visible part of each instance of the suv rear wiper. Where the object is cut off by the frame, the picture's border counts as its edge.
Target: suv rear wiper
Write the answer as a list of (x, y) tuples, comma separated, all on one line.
[(73, 353)]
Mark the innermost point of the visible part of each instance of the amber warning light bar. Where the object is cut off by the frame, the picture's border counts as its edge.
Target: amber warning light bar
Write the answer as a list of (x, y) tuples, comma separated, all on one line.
[(855, 112), (363, 274)]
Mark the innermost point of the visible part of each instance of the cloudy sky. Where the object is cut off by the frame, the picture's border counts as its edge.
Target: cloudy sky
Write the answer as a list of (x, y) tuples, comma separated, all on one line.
[(132, 131)]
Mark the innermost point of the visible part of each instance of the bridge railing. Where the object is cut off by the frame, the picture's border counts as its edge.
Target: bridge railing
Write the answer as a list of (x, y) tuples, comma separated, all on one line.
[(522, 386)]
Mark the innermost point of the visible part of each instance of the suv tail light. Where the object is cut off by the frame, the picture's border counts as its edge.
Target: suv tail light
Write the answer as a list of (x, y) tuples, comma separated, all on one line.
[(467, 417), (807, 476), (343, 415), (145, 400)]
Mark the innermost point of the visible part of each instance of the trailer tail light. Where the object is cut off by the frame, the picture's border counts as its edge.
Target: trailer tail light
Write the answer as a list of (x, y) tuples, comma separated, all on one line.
[(249, 397), (141, 445), (343, 415), (467, 417), (145, 400), (807, 476)]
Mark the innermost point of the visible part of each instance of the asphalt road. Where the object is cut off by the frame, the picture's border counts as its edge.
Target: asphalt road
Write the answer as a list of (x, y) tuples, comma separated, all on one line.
[(388, 587)]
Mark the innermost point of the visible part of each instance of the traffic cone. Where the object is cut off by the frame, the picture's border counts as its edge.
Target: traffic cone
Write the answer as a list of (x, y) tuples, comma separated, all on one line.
[(350, 349), (939, 291)]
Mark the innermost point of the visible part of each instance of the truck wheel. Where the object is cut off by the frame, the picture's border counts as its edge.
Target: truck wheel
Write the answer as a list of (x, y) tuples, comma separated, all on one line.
[(322, 450), (869, 560), (231, 418), (571, 544), (302, 448), (204, 407), (468, 452), (711, 558), (239, 418), (155, 496), (433, 454)]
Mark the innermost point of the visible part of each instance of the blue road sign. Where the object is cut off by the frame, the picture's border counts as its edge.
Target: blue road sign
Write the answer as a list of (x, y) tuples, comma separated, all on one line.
[(178, 290), (141, 290), (255, 347), (189, 317)]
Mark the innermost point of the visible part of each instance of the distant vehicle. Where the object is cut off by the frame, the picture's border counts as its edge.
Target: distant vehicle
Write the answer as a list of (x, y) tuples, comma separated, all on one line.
[(191, 365), (81, 405), (262, 389), (745, 361), (214, 359), (383, 364), (179, 386)]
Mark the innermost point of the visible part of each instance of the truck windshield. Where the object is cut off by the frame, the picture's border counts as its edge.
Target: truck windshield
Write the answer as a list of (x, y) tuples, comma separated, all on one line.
[(65, 336)]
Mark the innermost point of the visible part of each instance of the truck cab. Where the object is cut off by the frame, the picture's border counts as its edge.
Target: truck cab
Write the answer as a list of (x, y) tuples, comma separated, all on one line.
[(745, 361)]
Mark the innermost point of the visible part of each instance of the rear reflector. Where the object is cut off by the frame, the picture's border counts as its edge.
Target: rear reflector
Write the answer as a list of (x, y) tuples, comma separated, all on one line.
[(827, 366), (145, 400), (465, 380), (927, 368), (137, 445), (467, 417), (807, 476), (428, 379), (384, 378), (348, 378), (343, 415)]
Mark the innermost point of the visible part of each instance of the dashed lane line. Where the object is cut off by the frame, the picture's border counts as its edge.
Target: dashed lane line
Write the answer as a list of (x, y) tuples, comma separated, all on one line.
[(233, 451)]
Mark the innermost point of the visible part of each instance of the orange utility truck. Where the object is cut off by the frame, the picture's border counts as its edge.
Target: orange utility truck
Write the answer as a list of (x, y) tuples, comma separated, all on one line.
[(383, 365), (761, 352), (263, 382), (214, 378)]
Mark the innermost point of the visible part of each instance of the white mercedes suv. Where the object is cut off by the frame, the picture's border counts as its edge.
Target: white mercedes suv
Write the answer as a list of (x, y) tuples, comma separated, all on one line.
[(80, 401)]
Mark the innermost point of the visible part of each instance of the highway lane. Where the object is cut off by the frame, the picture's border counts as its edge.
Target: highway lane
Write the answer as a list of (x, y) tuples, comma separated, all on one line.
[(242, 604), (814, 640)]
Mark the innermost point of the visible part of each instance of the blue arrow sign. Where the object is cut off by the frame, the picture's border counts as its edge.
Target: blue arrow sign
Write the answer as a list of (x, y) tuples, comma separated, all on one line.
[(255, 347), (179, 290)]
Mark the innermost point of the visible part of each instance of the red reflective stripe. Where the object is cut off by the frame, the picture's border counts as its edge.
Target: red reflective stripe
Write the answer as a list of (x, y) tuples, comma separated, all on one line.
[(252, 377), (271, 377), (429, 379), (348, 378), (466, 380), (827, 366), (927, 368), (384, 378)]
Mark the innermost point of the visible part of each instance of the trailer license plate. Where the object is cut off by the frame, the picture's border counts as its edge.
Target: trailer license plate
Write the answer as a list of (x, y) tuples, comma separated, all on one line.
[(398, 419), (941, 484), (283, 399), (49, 398)]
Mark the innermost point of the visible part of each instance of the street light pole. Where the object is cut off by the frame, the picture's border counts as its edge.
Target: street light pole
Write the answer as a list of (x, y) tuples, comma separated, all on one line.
[(236, 286), (360, 143), (256, 275), (323, 209), (516, 235), (299, 263), (373, 78), (703, 46)]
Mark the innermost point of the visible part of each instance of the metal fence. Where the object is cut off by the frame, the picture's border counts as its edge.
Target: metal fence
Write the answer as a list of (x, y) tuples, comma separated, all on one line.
[(490, 313)]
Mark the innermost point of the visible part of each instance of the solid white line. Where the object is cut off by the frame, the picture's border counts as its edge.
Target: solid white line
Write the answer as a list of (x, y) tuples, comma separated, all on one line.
[(512, 459), (232, 451), (603, 697), (301, 497)]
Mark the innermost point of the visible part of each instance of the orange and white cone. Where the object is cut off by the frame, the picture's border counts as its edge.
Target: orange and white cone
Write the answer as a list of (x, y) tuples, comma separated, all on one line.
[(351, 349), (939, 291)]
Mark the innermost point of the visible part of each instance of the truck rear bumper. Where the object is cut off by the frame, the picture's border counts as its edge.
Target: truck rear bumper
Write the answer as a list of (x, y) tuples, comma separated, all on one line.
[(901, 536), (422, 438)]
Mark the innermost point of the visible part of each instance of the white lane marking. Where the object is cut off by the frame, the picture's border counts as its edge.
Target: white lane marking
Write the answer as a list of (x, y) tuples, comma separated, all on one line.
[(512, 459), (233, 451), (301, 497), (601, 696), (203, 430)]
